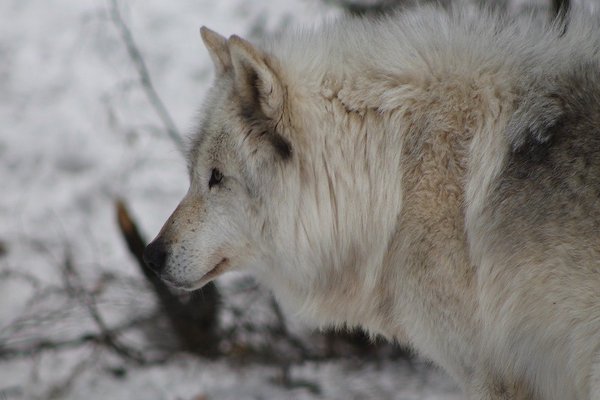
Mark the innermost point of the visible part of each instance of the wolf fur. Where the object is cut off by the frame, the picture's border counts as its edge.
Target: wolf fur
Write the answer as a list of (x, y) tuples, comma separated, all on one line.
[(431, 176)]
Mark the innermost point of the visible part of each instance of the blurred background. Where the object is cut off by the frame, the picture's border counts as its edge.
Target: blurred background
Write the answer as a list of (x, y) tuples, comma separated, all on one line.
[(97, 99)]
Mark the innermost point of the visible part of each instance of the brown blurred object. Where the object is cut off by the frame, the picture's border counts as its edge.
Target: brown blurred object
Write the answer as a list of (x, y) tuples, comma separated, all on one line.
[(192, 315)]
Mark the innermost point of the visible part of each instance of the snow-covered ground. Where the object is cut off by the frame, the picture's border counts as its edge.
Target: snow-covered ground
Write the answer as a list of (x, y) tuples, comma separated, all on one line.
[(76, 132)]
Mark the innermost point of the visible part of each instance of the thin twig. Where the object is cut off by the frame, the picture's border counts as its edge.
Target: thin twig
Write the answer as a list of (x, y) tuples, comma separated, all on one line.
[(20, 275), (61, 389), (144, 74), (38, 346), (74, 285)]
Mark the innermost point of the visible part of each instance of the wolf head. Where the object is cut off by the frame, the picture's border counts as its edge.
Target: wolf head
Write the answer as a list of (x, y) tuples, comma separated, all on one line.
[(288, 175), (239, 151)]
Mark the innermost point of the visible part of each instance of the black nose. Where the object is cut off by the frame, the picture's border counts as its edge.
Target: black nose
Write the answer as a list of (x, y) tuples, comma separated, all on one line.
[(155, 255)]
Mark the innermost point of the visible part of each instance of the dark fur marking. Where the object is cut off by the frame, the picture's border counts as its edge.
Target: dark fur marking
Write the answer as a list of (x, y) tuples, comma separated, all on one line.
[(560, 8), (281, 146), (535, 121), (535, 151), (248, 110), (261, 128), (548, 187)]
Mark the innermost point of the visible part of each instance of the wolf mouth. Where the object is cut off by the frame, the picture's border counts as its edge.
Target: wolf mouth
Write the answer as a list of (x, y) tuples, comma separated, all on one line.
[(221, 267)]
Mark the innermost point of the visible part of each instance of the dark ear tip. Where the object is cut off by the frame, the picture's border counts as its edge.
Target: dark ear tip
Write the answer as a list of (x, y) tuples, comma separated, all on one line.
[(205, 33), (235, 38), (243, 47), (210, 36)]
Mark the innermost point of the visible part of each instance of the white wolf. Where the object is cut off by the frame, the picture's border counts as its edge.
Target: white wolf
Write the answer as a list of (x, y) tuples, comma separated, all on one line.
[(432, 176)]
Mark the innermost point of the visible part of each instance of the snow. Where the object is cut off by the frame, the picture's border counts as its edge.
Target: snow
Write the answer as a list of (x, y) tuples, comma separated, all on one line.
[(78, 132)]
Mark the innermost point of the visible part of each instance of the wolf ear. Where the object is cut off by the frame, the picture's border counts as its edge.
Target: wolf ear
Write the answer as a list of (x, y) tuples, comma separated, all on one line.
[(217, 48), (258, 86)]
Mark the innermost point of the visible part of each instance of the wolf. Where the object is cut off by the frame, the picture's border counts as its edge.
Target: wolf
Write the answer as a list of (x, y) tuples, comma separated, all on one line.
[(432, 176)]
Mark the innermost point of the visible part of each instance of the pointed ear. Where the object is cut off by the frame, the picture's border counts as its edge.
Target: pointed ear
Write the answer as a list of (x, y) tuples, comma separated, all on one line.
[(217, 48), (256, 81)]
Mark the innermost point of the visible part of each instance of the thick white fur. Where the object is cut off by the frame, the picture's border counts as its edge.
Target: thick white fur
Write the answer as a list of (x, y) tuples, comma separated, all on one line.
[(397, 128)]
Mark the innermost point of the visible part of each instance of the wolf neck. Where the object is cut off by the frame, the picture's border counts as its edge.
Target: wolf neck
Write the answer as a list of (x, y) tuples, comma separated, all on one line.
[(388, 240), (379, 197)]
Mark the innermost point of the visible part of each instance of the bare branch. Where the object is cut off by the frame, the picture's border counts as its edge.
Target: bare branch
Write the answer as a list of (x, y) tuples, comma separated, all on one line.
[(99, 338), (20, 275), (144, 74)]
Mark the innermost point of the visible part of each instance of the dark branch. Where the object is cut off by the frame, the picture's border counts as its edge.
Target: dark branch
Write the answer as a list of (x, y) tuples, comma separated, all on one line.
[(193, 316)]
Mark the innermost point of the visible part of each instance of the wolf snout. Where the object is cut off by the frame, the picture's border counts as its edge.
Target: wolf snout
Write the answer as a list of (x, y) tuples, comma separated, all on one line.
[(155, 255)]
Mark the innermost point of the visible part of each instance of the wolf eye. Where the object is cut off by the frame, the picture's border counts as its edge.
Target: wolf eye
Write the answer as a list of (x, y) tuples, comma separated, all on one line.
[(215, 178)]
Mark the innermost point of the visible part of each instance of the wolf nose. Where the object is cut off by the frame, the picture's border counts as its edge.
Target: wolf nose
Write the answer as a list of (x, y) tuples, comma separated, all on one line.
[(155, 255)]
